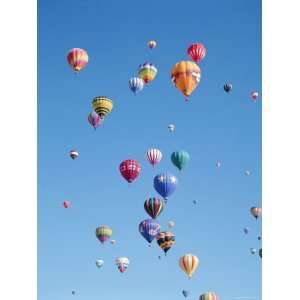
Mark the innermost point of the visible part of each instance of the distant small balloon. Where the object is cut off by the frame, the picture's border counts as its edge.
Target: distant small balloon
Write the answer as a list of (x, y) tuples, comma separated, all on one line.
[(99, 263), (195, 202), (246, 230), (260, 252), (73, 292), (67, 204), (171, 127), (171, 224), (259, 238), (254, 96), (94, 119), (253, 251), (185, 293), (113, 242), (152, 44), (74, 154), (218, 164), (227, 87), (247, 173)]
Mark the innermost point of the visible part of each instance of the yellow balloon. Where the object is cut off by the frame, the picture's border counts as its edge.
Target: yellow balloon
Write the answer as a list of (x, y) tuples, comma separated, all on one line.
[(186, 76), (102, 106), (189, 264)]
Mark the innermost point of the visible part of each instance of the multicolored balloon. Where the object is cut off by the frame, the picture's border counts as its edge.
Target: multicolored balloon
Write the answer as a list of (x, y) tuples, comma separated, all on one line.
[(196, 52), (147, 72), (130, 169), (154, 207), (254, 96), (152, 44), (227, 87), (103, 233), (94, 119), (67, 204), (165, 184), (165, 240), (186, 76), (74, 154), (256, 212), (189, 264), (122, 264), (136, 84), (209, 296), (102, 106), (180, 159), (171, 127), (185, 293), (154, 156), (99, 263), (149, 229), (77, 59)]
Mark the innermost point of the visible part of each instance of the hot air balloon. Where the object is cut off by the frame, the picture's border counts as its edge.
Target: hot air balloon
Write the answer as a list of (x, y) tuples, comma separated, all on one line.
[(189, 263), (195, 202), (171, 127), (246, 230), (113, 242), (186, 76), (136, 84), (152, 44), (247, 173), (218, 164), (209, 296), (149, 229), (94, 119), (185, 293), (147, 72), (130, 169), (255, 211), (196, 52), (227, 87), (165, 184), (153, 207), (67, 204), (254, 96), (259, 238), (260, 252), (77, 59), (253, 251), (154, 156), (165, 240), (180, 159), (103, 233), (74, 154), (122, 264), (99, 263), (73, 293), (102, 106), (171, 224)]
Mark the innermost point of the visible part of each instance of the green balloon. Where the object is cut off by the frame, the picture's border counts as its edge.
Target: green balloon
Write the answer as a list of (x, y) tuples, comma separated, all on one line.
[(180, 159)]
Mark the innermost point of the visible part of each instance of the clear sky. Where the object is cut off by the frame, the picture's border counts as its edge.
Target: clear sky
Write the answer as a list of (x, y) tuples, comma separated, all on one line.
[(213, 126)]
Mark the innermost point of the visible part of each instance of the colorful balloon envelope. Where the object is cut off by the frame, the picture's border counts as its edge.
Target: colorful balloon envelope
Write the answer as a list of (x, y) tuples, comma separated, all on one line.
[(185, 76), (154, 206), (165, 184), (122, 264), (209, 296), (255, 212), (152, 44), (189, 264), (99, 263), (77, 59), (165, 240), (227, 87), (67, 204), (149, 229), (254, 96), (180, 159), (196, 52), (103, 233), (94, 119), (185, 293), (136, 84), (130, 169), (154, 156), (147, 72), (74, 154), (102, 106)]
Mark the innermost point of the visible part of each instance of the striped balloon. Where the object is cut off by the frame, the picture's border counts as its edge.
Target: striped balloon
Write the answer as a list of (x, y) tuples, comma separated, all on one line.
[(165, 240), (147, 72), (136, 84), (209, 296), (154, 156), (189, 263), (255, 211), (94, 119), (103, 233), (154, 207), (122, 264), (196, 52), (130, 169), (77, 59), (74, 154), (102, 106)]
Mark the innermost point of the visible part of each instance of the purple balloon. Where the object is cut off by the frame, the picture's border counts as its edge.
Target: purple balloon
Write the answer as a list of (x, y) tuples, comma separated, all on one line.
[(94, 119), (149, 229)]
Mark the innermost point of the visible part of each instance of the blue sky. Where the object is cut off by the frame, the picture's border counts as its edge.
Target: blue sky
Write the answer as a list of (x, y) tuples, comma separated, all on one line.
[(212, 126)]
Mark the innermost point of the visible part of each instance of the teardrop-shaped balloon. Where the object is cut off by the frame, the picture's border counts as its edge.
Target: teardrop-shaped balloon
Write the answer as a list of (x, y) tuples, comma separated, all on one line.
[(165, 184), (122, 264), (103, 233), (165, 240), (253, 251), (74, 154), (130, 169), (149, 229), (67, 204), (180, 159), (227, 87), (171, 127), (77, 59), (94, 119), (152, 44), (254, 96), (185, 293), (209, 296), (136, 84), (189, 264), (154, 207), (99, 263), (102, 105), (255, 212), (147, 72), (196, 52), (154, 156)]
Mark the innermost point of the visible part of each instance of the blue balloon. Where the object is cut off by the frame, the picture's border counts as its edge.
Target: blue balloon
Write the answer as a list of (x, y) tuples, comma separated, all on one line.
[(149, 229), (165, 184), (185, 293), (136, 84)]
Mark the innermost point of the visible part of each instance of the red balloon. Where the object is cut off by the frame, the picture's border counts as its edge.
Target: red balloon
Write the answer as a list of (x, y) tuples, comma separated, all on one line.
[(196, 52), (130, 169), (67, 204)]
